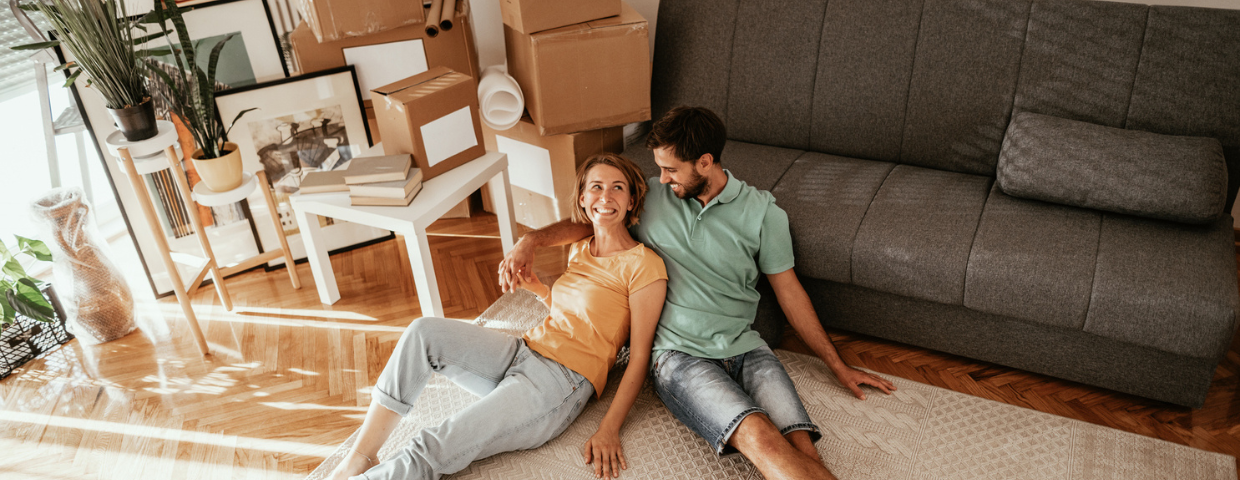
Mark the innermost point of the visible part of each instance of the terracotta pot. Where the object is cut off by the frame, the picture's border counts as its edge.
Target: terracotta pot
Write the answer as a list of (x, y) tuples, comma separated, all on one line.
[(220, 174), (136, 122)]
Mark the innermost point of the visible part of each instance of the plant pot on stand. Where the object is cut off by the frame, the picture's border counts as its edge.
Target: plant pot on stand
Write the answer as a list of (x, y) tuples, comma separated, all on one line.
[(136, 122), (223, 173)]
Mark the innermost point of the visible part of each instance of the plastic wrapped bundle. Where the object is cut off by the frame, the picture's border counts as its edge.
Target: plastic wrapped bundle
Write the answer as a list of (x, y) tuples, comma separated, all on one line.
[(95, 296)]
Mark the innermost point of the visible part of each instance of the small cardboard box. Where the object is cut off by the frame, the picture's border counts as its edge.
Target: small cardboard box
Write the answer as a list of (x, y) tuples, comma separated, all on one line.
[(376, 57), (532, 16), (586, 76), (433, 116), (543, 169), (333, 20)]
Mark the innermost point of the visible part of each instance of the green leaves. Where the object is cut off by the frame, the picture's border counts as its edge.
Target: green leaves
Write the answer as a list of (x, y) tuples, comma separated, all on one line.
[(101, 39), (20, 292), (36, 46), (191, 89), (35, 248)]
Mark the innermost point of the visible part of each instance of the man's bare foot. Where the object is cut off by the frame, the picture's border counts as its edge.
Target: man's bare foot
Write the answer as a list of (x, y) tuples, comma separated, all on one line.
[(353, 464)]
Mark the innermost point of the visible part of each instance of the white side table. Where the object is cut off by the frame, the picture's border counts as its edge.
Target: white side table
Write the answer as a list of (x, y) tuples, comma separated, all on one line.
[(438, 195)]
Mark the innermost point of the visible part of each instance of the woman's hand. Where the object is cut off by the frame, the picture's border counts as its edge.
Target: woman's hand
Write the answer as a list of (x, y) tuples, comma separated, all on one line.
[(534, 285), (604, 451)]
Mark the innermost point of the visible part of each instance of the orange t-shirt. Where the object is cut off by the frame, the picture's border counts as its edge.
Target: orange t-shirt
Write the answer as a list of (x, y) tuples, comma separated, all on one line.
[(589, 319)]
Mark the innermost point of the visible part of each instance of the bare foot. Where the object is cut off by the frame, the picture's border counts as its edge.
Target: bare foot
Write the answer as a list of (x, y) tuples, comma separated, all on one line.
[(353, 464)]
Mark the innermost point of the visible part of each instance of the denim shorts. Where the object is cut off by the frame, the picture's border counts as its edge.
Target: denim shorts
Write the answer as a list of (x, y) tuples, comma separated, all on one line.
[(712, 396)]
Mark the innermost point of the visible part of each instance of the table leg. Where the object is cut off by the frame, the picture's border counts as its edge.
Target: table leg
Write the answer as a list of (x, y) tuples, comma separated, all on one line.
[(501, 199), (316, 253), (424, 274)]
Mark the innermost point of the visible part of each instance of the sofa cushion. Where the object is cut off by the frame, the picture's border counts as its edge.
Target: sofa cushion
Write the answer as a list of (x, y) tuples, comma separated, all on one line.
[(916, 235), (1165, 285), (1066, 36), (689, 73), (771, 80), (1124, 171), (1033, 261), (861, 89), (826, 197), (758, 165), (1186, 81), (963, 81)]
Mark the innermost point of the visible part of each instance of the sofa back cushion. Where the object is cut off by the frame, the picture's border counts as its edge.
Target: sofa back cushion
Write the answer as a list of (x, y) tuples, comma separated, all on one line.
[(934, 83), (1081, 164)]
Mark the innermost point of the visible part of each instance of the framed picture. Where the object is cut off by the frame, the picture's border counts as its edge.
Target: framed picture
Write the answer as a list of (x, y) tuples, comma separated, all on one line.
[(305, 123), (254, 53)]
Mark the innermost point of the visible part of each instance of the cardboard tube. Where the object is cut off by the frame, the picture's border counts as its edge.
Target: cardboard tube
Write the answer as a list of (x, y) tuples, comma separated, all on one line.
[(432, 18), (449, 11)]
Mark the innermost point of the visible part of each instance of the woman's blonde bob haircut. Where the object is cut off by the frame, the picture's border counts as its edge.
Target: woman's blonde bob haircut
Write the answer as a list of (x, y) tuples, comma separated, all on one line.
[(632, 175)]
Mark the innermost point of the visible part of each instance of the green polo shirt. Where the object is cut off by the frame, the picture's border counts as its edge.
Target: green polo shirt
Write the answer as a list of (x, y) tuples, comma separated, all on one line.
[(714, 256)]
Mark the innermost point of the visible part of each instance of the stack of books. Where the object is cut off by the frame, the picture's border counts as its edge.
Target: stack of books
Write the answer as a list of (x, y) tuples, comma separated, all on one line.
[(386, 180)]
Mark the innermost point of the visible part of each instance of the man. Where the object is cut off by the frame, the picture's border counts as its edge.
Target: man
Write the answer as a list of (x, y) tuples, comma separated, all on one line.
[(716, 235)]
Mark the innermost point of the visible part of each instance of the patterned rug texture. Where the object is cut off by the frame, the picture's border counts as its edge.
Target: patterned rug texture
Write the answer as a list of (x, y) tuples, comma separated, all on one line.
[(921, 432)]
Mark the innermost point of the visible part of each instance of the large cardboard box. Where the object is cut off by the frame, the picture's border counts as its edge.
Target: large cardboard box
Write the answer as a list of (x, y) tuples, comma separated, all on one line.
[(332, 20), (543, 169), (584, 77), (388, 56), (532, 16), (433, 116)]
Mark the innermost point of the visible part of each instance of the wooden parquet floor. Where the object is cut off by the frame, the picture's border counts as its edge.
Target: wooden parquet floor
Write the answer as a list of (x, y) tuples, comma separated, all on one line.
[(289, 378)]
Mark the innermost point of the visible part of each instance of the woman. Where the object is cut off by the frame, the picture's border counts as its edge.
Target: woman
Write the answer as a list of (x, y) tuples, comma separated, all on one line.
[(532, 387)]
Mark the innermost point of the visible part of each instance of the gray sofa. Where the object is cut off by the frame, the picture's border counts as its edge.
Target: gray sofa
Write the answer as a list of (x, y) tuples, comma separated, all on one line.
[(881, 127)]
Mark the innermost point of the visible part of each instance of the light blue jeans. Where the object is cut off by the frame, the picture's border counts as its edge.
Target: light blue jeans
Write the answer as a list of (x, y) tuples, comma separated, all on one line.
[(526, 399)]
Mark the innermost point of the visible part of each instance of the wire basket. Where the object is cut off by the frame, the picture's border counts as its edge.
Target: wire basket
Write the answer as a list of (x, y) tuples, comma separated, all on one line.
[(26, 338)]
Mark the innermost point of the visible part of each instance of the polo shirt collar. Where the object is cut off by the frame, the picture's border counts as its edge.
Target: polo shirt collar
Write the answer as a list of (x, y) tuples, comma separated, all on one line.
[(730, 191)]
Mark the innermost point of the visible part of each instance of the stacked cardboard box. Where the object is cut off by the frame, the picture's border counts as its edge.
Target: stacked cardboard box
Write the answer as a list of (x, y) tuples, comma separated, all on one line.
[(584, 76), (434, 117), (389, 55), (337, 19), (542, 169)]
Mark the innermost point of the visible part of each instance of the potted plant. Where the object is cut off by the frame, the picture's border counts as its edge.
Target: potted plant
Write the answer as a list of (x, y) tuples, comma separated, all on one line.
[(33, 321), (101, 37), (191, 96), (23, 293)]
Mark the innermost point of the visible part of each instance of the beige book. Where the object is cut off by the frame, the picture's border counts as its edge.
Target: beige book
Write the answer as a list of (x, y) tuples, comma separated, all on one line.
[(388, 168), (398, 202), (397, 189), (323, 182)]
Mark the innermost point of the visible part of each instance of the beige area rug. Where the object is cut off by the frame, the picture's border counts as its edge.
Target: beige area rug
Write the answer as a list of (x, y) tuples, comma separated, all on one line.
[(922, 432)]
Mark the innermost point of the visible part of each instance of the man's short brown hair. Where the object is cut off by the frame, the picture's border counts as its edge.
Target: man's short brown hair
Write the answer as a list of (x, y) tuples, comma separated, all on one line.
[(632, 175), (690, 132)]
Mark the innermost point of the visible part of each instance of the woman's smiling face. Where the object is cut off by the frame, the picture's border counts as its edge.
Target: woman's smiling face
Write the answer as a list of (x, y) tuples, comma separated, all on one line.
[(606, 198)]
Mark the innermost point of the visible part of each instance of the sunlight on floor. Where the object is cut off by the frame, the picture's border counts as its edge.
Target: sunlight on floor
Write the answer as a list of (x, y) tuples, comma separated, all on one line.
[(169, 434)]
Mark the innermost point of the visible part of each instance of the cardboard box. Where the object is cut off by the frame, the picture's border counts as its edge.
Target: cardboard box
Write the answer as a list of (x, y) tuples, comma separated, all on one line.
[(543, 169), (584, 77), (532, 16), (453, 49), (332, 20), (433, 116)]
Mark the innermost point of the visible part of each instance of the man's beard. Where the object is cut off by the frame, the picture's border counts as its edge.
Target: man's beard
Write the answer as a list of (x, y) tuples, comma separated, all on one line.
[(694, 188)]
